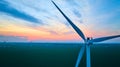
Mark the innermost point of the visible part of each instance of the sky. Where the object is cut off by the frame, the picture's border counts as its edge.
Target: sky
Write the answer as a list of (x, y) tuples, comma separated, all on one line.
[(40, 21)]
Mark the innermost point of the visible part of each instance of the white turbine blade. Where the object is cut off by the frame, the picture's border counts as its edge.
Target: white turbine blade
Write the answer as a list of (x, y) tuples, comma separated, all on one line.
[(71, 23), (80, 55), (88, 61), (104, 38)]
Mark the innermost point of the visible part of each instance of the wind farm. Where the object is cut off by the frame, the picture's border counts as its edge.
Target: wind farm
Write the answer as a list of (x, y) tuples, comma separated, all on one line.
[(59, 33)]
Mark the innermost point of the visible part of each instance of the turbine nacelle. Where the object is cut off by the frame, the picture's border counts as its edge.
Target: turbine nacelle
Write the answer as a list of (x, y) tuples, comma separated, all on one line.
[(88, 41)]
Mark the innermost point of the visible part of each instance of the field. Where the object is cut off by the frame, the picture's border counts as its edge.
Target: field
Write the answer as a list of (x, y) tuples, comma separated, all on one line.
[(56, 55)]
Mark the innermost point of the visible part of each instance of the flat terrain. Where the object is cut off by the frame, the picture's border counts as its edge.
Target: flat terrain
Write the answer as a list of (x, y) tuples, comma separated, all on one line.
[(56, 55)]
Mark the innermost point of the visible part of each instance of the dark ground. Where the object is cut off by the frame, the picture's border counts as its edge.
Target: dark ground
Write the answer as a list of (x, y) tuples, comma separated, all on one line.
[(56, 55)]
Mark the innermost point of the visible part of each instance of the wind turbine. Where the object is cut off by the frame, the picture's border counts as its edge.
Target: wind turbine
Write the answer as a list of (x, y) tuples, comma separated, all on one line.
[(87, 41)]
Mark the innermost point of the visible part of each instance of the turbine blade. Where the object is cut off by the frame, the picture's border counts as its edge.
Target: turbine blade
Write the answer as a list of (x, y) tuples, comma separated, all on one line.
[(104, 38), (88, 61), (81, 52), (71, 23)]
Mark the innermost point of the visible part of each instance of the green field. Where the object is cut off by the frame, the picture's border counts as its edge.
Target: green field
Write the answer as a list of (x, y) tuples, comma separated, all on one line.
[(56, 55)]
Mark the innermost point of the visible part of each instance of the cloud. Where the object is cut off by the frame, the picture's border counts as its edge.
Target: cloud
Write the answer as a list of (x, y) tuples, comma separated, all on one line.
[(7, 9), (12, 39), (72, 2), (53, 32), (73, 9), (77, 13), (16, 15)]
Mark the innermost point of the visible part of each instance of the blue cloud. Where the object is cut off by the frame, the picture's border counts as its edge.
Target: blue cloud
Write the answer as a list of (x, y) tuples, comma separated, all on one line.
[(12, 39), (77, 13), (6, 8), (72, 2)]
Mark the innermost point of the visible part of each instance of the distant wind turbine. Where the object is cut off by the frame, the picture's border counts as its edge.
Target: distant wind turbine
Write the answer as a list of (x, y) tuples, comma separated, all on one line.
[(87, 41)]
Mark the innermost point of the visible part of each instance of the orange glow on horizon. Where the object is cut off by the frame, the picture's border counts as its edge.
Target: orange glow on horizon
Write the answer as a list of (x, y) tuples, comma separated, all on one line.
[(43, 33)]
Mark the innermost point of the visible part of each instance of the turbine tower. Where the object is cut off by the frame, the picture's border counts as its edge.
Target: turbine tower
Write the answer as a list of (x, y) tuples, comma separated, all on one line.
[(87, 41)]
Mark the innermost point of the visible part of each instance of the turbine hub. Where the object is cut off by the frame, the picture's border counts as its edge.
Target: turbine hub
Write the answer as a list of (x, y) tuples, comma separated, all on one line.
[(88, 42)]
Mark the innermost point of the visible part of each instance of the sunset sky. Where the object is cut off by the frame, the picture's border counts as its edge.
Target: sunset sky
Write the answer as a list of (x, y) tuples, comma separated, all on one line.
[(40, 21)]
